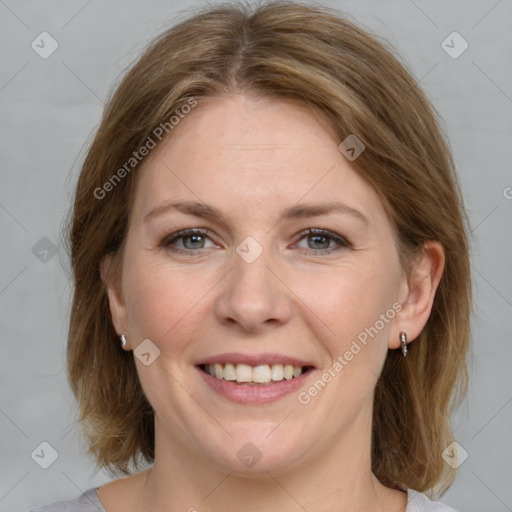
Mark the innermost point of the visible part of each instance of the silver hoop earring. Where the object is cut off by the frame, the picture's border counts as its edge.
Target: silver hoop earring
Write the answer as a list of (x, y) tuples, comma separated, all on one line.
[(122, 339), (403, 342)]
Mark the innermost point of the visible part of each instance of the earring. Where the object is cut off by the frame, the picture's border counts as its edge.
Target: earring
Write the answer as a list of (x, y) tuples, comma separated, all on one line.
[(403, 342), (122, 339)]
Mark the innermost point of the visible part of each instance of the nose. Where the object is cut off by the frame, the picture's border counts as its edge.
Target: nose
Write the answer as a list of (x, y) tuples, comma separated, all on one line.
[(254, 296)]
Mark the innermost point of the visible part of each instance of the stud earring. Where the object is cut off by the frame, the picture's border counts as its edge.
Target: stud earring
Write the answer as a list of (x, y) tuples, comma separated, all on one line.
[(403, 342), (122, 339)]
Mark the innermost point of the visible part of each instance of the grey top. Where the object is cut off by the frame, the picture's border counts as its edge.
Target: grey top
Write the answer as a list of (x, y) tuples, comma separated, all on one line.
[(89, 502)]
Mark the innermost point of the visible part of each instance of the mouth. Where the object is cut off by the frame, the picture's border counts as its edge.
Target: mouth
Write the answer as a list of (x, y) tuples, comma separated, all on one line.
[(254, 379), (258, 375)]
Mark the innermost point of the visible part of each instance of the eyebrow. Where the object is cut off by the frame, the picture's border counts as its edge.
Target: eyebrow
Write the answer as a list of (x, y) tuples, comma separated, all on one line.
[(300, 211)]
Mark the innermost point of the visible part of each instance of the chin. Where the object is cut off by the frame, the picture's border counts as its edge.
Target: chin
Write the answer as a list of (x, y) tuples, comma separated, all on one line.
[(258, 452)]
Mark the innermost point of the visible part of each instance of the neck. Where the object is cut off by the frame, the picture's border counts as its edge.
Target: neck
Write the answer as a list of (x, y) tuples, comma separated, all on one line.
[(339, 478)]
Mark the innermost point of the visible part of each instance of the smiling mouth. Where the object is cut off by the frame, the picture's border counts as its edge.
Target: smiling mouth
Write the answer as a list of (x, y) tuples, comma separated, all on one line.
[(245, 374)]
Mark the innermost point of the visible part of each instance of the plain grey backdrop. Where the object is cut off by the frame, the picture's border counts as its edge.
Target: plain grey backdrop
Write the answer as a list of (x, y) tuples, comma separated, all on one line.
[(50, 106)]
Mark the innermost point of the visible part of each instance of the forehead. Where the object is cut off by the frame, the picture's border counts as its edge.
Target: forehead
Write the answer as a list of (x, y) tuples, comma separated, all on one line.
[(242, 153)]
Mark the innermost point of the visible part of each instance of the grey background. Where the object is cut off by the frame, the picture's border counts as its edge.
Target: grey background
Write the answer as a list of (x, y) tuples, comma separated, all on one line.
[(50, 107)]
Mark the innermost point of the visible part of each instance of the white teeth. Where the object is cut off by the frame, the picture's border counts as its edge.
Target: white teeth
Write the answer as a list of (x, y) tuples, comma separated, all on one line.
[(229, 372), (288, 372), (261, 374), (277, 372), (243, 373), (218, 370)]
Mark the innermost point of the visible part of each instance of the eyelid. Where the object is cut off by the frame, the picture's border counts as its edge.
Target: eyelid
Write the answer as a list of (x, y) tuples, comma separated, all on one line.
[(184, 232), (339, 239)]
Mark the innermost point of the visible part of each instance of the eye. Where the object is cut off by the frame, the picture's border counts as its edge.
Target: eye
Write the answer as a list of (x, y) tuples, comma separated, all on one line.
[(192, 240), (321, 240)]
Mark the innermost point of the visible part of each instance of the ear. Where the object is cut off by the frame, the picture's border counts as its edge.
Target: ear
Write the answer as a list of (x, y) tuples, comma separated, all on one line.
[(417, 293), (115, 298)]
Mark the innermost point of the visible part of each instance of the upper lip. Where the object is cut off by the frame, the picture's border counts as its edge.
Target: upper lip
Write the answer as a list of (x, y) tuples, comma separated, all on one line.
[(254, 359)]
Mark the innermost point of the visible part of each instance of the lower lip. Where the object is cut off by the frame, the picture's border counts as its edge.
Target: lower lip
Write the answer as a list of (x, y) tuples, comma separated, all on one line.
[(254, 394)]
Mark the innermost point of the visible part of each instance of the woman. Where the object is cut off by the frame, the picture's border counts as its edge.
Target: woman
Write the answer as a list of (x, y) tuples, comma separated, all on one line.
[(209, 337)]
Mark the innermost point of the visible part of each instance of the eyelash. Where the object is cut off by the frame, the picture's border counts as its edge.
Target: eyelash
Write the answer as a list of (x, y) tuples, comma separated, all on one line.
[(170, 239)]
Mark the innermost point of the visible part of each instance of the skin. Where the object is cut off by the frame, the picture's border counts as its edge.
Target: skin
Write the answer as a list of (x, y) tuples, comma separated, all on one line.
[(251, 158)]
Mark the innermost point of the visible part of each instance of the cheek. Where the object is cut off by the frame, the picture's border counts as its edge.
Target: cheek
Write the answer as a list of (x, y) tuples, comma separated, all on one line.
[(161, 301), (348, 301), (356, 306), (346, 304)]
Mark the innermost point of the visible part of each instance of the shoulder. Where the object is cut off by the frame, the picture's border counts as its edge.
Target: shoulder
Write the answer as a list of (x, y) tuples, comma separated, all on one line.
[(418, 502), (87, 502)]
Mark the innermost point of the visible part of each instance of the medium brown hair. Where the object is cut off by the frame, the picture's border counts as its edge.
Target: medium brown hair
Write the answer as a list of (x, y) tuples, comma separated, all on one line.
[(318, 57)]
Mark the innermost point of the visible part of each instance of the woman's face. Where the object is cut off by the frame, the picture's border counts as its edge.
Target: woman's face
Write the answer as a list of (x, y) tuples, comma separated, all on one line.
[(254, 291)]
